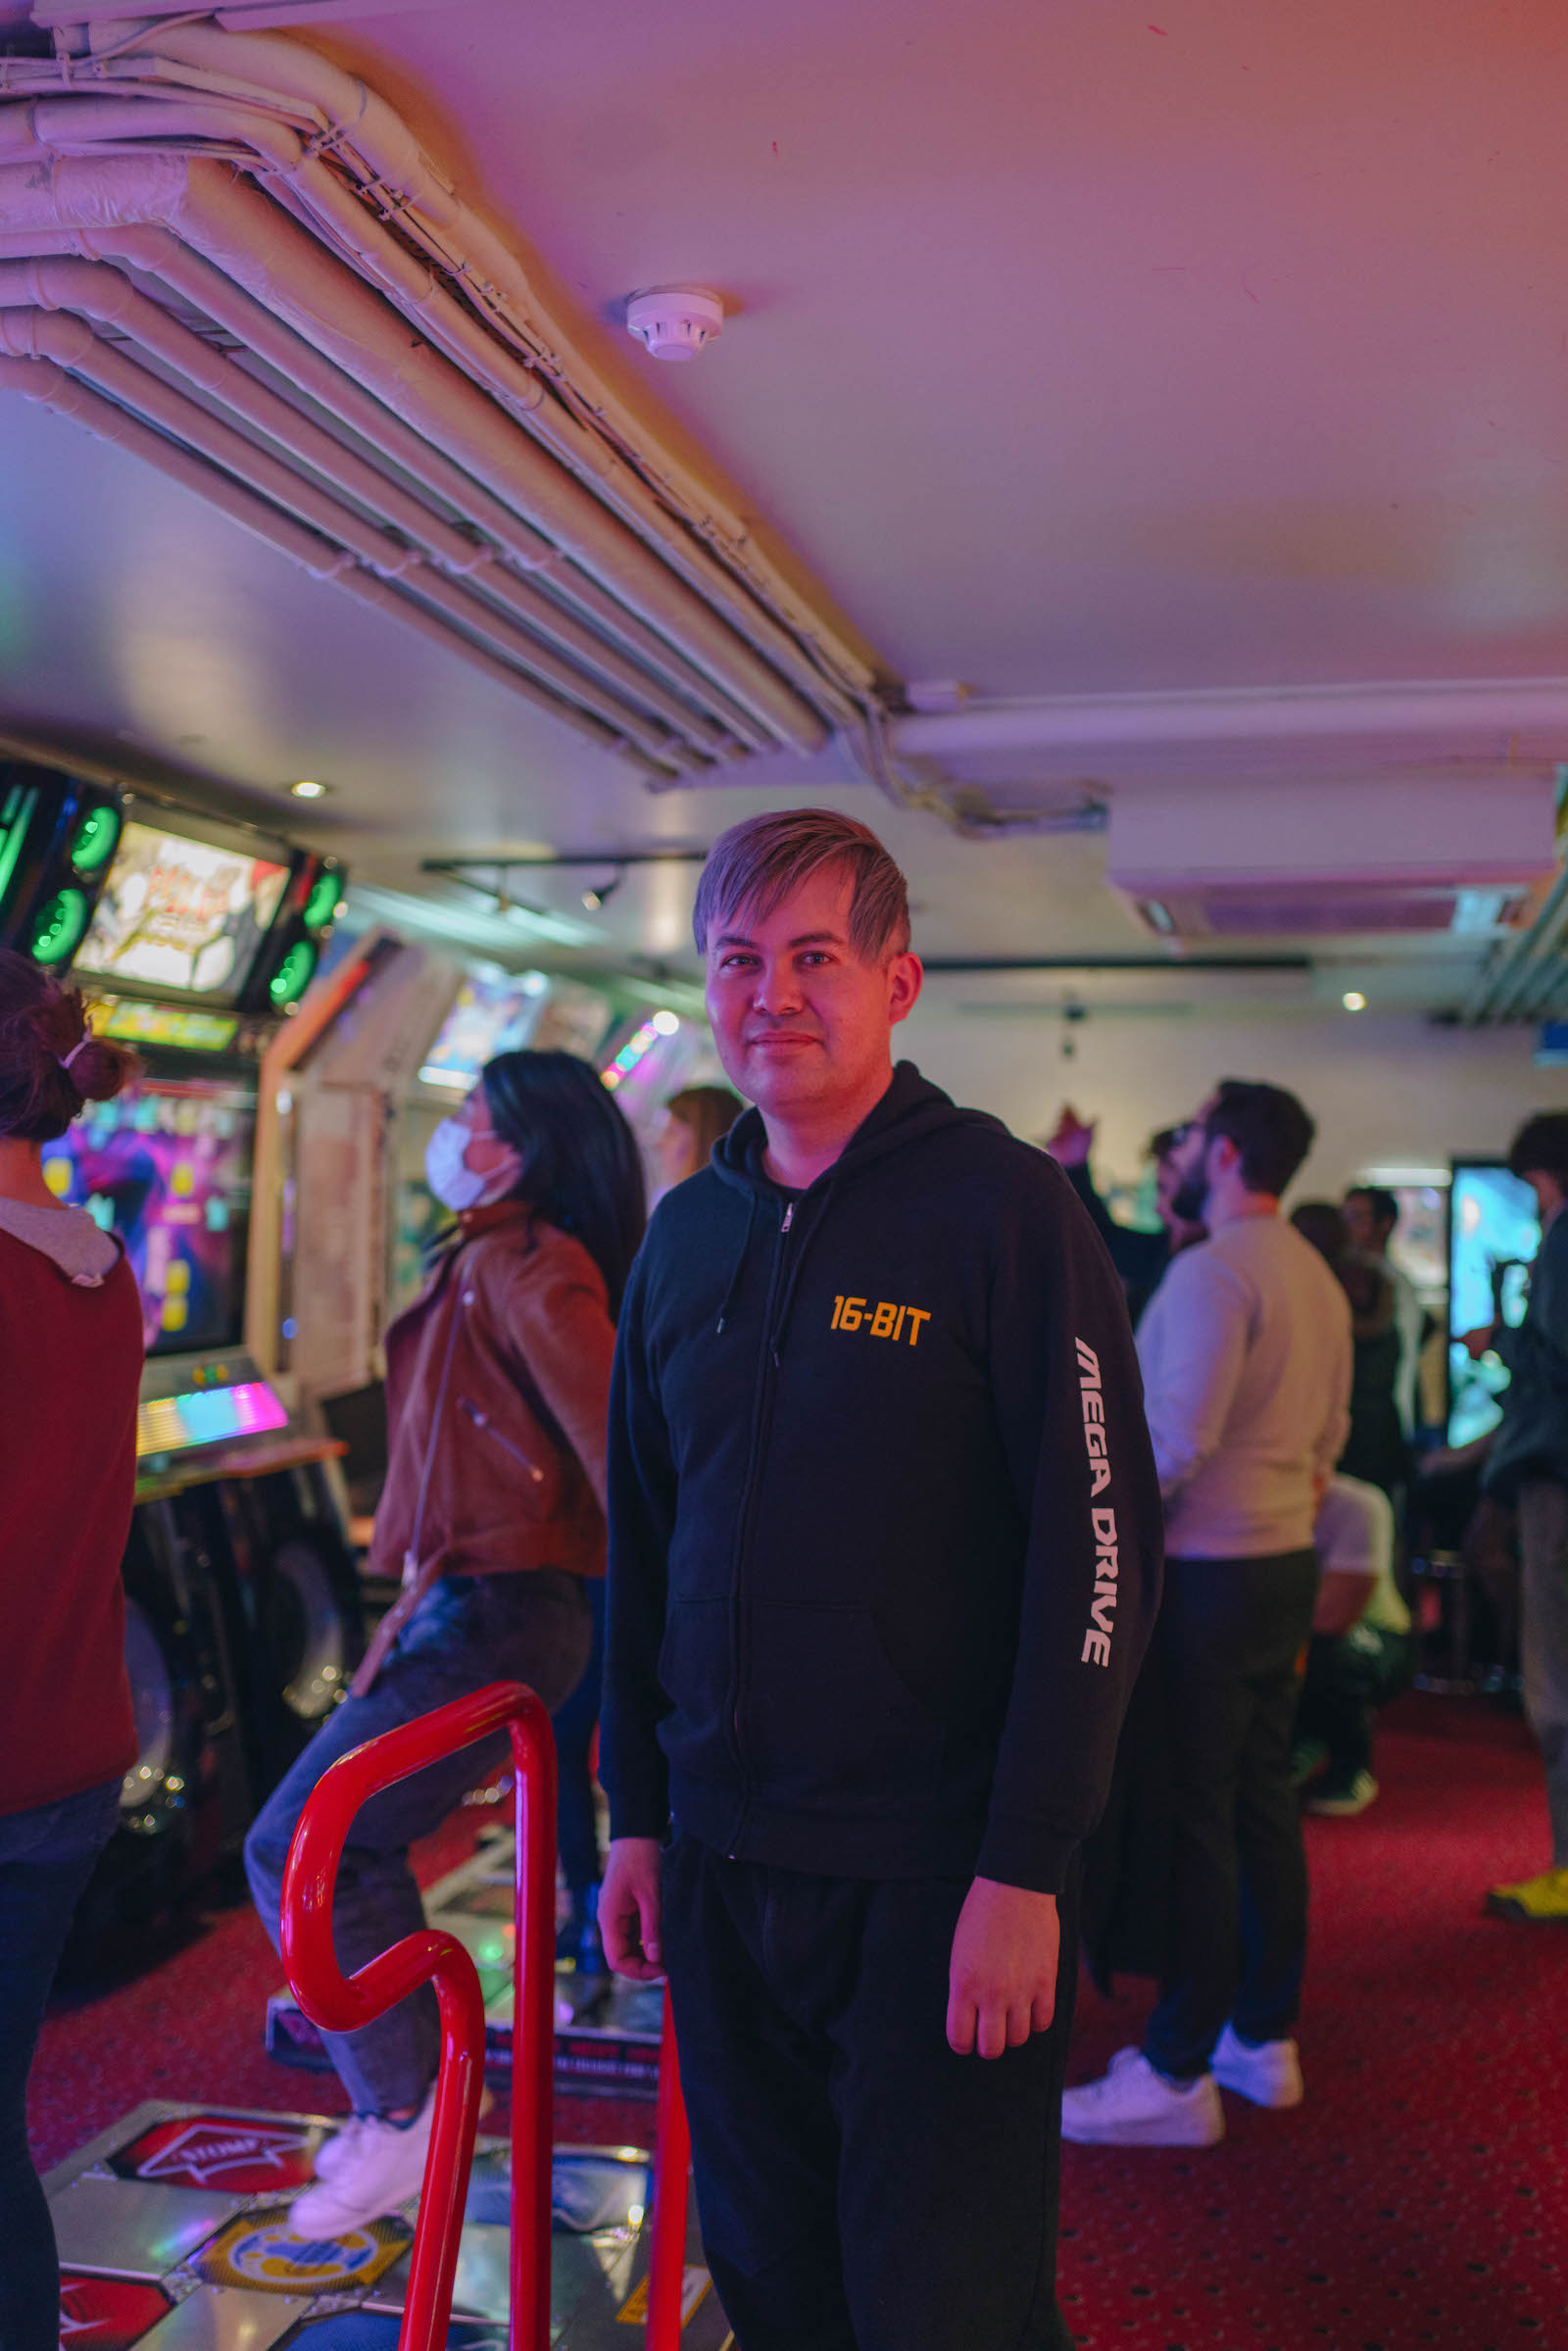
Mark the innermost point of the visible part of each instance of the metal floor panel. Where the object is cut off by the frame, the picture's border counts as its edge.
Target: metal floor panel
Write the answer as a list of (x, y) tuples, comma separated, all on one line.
[(135, 2228), (176, 2261), (216, 2318)]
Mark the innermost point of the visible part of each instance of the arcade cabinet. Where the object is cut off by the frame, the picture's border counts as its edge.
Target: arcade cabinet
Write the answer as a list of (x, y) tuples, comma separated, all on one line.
[(198, 942)]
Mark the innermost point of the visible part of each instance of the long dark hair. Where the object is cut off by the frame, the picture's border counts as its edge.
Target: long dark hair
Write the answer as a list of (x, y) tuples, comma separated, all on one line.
[(581, 1167), (40, 1023)]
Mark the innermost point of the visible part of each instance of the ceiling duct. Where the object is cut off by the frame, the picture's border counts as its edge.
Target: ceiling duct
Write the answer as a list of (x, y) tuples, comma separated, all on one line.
[(1334, 858), (212, 247)]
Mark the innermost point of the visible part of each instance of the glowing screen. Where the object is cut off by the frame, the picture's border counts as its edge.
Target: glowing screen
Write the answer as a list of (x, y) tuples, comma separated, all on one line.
[(167, 1165), (1493, 1233), (495, 1013), (179, 914)]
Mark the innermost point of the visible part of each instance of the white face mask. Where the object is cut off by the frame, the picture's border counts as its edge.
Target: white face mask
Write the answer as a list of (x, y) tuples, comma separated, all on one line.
[(452, 1179)]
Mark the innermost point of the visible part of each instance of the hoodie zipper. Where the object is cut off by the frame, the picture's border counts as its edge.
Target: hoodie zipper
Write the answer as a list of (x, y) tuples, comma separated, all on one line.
[(760, 1427)]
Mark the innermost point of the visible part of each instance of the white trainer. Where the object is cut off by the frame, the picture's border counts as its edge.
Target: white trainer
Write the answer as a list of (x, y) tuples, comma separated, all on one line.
[(1134, 2106), (1268, 2072), (380, 2168), (336, 2148)]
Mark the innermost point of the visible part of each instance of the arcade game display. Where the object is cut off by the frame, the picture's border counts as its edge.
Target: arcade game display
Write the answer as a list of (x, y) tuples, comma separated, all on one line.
[(174, 2231), (1493, 1234), (245, 1620)]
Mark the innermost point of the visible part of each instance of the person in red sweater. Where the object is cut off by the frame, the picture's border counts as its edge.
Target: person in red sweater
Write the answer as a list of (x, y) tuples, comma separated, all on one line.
[(70, 1353)]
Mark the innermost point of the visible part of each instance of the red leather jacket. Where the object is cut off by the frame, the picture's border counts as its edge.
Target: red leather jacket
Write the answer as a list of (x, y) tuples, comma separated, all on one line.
[(498, 1397)]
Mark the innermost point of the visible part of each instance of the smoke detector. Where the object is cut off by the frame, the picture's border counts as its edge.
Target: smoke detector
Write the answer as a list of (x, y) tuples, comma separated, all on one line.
[(675, 323)]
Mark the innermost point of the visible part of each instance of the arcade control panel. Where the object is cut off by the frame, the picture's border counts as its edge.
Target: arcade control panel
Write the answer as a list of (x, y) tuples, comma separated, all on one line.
[(174, 2234)]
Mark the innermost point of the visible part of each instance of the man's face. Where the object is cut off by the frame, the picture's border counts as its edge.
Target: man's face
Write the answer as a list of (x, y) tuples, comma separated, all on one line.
[(802, 1025), (1549, 1194), (1362, 1225), (1187, 1181)]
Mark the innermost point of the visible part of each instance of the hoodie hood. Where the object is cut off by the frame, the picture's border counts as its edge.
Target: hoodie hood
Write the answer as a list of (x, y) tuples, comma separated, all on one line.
[(911, 1109)]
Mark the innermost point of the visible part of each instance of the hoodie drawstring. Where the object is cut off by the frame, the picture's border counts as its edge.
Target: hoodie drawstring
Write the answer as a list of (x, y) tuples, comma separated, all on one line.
[(740, 1264)]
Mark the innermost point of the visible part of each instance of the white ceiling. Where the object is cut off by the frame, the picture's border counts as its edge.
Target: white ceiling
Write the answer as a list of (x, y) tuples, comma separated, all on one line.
[(1076, 349)]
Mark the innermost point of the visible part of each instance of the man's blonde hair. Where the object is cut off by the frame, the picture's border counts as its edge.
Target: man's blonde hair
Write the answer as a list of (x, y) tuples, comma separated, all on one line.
[(754, 867)]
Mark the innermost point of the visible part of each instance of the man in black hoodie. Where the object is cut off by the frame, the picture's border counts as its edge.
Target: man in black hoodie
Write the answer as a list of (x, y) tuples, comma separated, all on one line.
[(885, 1542)]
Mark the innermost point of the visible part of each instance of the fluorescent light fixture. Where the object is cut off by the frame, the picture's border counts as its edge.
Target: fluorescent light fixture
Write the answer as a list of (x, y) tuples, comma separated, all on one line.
[(459, 1080)]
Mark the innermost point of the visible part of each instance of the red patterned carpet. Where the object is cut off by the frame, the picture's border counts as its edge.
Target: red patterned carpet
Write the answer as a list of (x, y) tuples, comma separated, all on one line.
[(1419, 2197)]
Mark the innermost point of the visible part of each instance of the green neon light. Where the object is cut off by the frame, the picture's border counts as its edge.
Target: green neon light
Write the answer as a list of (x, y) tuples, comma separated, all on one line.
[(15, 818), (58, 930), (320, 907), (292, 977), (96, 838)]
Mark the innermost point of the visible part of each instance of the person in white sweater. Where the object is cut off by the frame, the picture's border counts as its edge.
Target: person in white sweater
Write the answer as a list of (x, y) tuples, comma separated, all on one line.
[(1247, 1358)]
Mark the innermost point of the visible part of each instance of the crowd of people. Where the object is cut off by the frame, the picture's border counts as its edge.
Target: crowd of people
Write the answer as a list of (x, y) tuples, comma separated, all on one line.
[(917, 1557)]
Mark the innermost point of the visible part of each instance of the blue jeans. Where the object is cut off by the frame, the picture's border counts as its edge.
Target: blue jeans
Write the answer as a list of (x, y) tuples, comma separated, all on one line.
[(468, 1631), (46, 1858)]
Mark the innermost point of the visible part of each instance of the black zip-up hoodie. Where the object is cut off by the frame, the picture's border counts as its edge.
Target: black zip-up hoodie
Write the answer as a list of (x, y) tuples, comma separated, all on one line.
[(884, 1525)]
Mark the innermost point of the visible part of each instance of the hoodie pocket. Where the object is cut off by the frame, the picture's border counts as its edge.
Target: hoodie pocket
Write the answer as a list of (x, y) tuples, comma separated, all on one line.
[(694, 1674), (827, 1726)]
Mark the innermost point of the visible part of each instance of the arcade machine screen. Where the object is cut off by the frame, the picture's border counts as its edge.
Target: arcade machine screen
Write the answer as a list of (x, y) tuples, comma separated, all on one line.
[(167, 1165), (1493, 1233), (181, 915)]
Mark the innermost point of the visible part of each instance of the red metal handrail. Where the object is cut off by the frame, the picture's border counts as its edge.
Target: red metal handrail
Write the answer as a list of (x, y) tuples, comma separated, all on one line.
[(673, 2156), (340, 2004)]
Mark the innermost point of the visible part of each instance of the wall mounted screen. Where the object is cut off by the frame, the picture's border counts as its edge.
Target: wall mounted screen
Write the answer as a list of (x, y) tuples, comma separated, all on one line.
[(167, 1165), (181, 915)]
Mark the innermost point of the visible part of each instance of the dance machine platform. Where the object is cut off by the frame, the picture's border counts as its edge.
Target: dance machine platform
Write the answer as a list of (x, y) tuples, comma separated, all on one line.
[(607, 2030), (174, 2234)]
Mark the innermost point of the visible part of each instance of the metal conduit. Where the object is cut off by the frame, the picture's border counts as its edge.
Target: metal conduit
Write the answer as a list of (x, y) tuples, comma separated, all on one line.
[(1510, 970), (45, 381)]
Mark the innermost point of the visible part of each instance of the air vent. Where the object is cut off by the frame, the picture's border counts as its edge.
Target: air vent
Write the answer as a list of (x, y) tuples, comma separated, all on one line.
[(1330, 858)]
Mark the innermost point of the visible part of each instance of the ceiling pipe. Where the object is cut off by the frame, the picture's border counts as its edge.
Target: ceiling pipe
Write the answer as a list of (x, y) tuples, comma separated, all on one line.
[(72, 343), (159, 254), (1074, 723), (1508, 968), (43, 380), (92, 289), (350, 119), (242, 232), (84, 127)]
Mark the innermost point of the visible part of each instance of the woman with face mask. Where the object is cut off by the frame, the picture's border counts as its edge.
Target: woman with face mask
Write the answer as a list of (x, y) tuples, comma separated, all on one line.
[(492, 1516)]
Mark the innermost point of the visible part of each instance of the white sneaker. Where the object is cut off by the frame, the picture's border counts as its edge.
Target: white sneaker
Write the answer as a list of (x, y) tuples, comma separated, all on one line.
[(381, 2168), (1268, 2072), (336, 2148), (1134, 2106), (1338, 1802)]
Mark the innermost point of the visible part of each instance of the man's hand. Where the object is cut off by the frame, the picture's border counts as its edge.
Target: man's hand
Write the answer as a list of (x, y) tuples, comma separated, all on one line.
[(1002, 1983), (1477, 1343), (629, 1909), (1073, 1139)]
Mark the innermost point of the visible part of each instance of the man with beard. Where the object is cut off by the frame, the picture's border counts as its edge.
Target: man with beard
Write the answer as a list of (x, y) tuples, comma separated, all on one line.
[(1246, 1354)]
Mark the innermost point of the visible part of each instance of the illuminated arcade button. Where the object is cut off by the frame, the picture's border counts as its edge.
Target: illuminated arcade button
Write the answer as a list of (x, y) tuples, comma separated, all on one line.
[(261, 2250)]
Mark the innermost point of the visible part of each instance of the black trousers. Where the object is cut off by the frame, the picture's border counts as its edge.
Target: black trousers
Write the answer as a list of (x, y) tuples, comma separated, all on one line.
[(860, 2188), (1229, 1635)]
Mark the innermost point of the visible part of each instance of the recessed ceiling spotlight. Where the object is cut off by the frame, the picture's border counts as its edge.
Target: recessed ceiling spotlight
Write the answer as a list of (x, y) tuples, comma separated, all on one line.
[(309, 791), (675, 323), (1354, 1000)]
